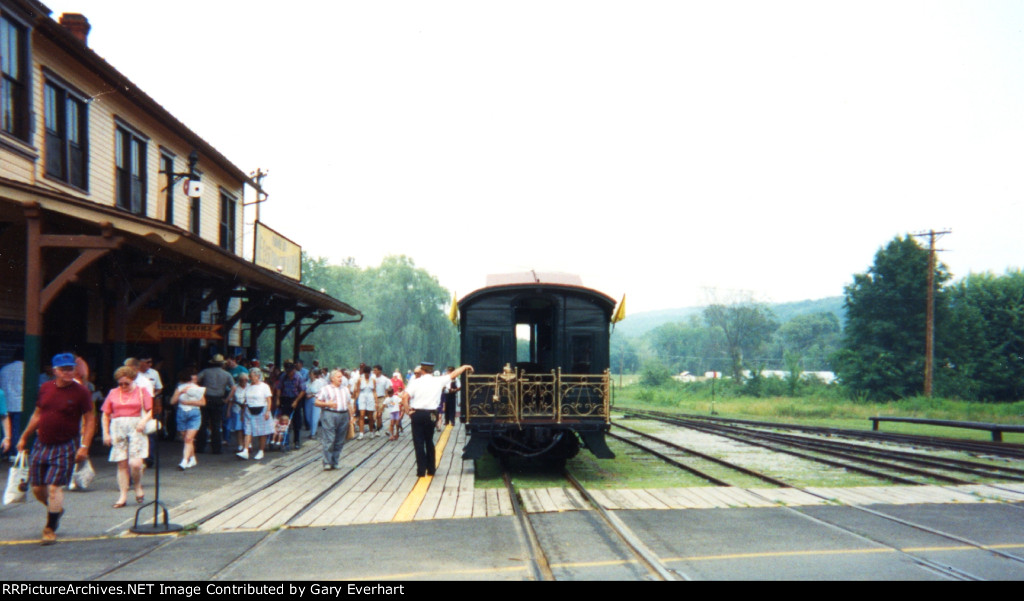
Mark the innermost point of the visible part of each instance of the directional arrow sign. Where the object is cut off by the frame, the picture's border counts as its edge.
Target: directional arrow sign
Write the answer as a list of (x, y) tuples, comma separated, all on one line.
[(161, 330)]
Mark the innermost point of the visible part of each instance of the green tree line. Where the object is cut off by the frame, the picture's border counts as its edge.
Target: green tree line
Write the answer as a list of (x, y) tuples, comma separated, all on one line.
[(732, 337), (978, 330), (879, 354), (405, 316)]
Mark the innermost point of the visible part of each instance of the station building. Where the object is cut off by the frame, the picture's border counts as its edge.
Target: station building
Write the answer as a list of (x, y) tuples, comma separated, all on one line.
[(121, 229)]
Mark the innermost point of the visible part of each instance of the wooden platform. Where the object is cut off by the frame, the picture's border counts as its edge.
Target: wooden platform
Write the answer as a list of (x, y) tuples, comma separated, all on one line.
[(378, 479)]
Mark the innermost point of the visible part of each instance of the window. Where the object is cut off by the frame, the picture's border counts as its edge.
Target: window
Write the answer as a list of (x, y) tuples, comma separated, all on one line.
[(131, 171), (167, 168), (195, 207), (227, 221), (14, 109), (66, 135)]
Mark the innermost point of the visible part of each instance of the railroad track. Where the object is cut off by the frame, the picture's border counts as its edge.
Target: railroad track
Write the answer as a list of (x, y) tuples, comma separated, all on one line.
[(540, 566), (979, 447), (946, 570), (269, 535), (900, 467)]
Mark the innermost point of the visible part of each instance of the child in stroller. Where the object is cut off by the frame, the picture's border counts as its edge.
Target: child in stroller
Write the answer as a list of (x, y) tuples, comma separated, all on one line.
[(279, 440)]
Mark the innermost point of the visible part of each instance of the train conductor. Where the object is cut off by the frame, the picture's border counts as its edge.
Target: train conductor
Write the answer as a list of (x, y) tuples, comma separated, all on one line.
[(420, 401)]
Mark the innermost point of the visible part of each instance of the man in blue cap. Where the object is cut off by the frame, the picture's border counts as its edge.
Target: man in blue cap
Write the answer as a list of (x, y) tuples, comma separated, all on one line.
[(420, 400), (64, 406)]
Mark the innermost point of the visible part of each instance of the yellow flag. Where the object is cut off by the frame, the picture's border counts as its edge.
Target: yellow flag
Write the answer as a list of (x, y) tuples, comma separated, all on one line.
[(453, 312), (620, 311)]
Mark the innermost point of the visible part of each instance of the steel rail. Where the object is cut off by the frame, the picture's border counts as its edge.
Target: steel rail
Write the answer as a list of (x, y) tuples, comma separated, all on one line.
[(922, 561), (539, 566), (850, 452), (1003, 449), (833, 449), (647, 557), (947, 463), (853, 468), (670, 461), (711, 458), (855, 458)]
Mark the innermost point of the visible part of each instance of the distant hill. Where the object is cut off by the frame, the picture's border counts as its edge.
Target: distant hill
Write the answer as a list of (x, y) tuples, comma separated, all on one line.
[(640, 323)]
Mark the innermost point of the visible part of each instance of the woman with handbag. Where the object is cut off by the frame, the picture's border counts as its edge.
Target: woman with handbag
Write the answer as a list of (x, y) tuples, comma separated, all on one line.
[(189, 397), (126, 412), (259, 401)]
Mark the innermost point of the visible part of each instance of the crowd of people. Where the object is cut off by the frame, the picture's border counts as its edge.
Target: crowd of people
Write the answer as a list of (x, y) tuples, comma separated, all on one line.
[(230, 402)]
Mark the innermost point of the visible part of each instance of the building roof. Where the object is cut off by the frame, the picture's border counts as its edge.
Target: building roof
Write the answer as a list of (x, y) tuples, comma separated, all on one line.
[(188, 250)]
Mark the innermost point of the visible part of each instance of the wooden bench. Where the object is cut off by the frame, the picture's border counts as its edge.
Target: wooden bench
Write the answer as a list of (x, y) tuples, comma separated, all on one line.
[(996, 429)]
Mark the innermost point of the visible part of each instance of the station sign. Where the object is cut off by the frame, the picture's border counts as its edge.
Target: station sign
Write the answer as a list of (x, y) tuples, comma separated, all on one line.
[(276, 253)]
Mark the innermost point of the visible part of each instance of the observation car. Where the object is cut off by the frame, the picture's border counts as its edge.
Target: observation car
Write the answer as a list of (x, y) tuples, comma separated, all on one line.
[(539, 346)]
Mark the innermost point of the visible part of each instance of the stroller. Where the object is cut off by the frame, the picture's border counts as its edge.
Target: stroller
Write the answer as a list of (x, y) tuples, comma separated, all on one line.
[(280, 441)]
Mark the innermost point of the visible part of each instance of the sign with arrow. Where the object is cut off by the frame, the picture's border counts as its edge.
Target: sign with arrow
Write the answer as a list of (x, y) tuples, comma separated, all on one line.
[(160, 330)]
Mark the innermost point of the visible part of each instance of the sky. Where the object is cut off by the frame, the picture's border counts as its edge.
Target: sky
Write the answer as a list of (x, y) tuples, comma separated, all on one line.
[(673, 152)]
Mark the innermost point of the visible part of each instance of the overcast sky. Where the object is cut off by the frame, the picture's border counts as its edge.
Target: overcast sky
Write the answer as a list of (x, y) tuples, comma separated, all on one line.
[(657, 149)]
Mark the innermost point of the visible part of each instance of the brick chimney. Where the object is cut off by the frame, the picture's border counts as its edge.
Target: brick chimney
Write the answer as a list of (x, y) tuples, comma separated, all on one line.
[(78, 25)]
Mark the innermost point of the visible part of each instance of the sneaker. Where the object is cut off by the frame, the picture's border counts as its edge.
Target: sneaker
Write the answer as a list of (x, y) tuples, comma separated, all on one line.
[(360, 437), (192, 461), (244, 454), (328, 467), (259, 455), (49, 536), (183, 465)]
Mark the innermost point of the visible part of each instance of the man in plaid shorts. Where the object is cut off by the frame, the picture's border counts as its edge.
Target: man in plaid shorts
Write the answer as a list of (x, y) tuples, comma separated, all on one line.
[(63, 406)]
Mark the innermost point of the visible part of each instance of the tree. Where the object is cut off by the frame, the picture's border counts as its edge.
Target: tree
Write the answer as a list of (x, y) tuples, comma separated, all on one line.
[(883, 346), (746, 326), (985, 339), (404, 315), (813, 338), (624, 354)]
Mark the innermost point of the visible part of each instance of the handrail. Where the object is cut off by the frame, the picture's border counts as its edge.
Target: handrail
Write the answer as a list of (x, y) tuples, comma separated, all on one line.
[(516, 395), (996, 429)]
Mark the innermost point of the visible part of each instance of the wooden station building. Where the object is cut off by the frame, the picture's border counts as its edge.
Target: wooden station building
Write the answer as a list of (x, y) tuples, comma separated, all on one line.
[(121, 230)]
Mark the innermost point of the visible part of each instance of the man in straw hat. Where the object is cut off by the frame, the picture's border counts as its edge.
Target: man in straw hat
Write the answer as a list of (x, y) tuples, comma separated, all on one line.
[(219, 384)]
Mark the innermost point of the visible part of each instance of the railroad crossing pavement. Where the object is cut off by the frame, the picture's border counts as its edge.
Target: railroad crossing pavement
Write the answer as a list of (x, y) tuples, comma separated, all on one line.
[(718, 535)]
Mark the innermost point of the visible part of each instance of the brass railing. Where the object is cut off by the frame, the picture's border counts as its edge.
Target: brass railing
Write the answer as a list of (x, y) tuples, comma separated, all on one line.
[(516, 395)]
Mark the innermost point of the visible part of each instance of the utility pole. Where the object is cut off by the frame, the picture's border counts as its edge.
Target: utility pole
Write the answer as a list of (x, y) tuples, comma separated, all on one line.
[(929, 331)]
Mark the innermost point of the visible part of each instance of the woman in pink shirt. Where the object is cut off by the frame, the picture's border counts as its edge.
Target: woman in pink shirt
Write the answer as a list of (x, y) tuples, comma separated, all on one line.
[(125, 413)]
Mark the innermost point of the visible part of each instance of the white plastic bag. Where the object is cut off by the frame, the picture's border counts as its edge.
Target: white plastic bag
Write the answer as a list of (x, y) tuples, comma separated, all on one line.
[(17, 480), (83, 475)]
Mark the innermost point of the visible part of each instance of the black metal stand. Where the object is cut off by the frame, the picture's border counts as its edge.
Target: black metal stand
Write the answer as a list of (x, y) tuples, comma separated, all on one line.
[(155, 528)]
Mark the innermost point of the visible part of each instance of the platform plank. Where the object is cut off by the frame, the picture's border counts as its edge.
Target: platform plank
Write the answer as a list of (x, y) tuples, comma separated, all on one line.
[(651, 500), (562, 501), (693, 499)]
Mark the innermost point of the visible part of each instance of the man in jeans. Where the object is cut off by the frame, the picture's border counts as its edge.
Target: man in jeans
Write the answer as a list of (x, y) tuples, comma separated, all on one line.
[(219, 384)]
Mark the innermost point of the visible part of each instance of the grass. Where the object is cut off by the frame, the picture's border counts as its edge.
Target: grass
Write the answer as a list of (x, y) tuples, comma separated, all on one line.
[(631, 468)]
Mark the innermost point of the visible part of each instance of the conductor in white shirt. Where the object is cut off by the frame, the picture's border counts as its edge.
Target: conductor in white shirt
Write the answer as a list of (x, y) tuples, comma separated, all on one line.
[(420, 400)]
